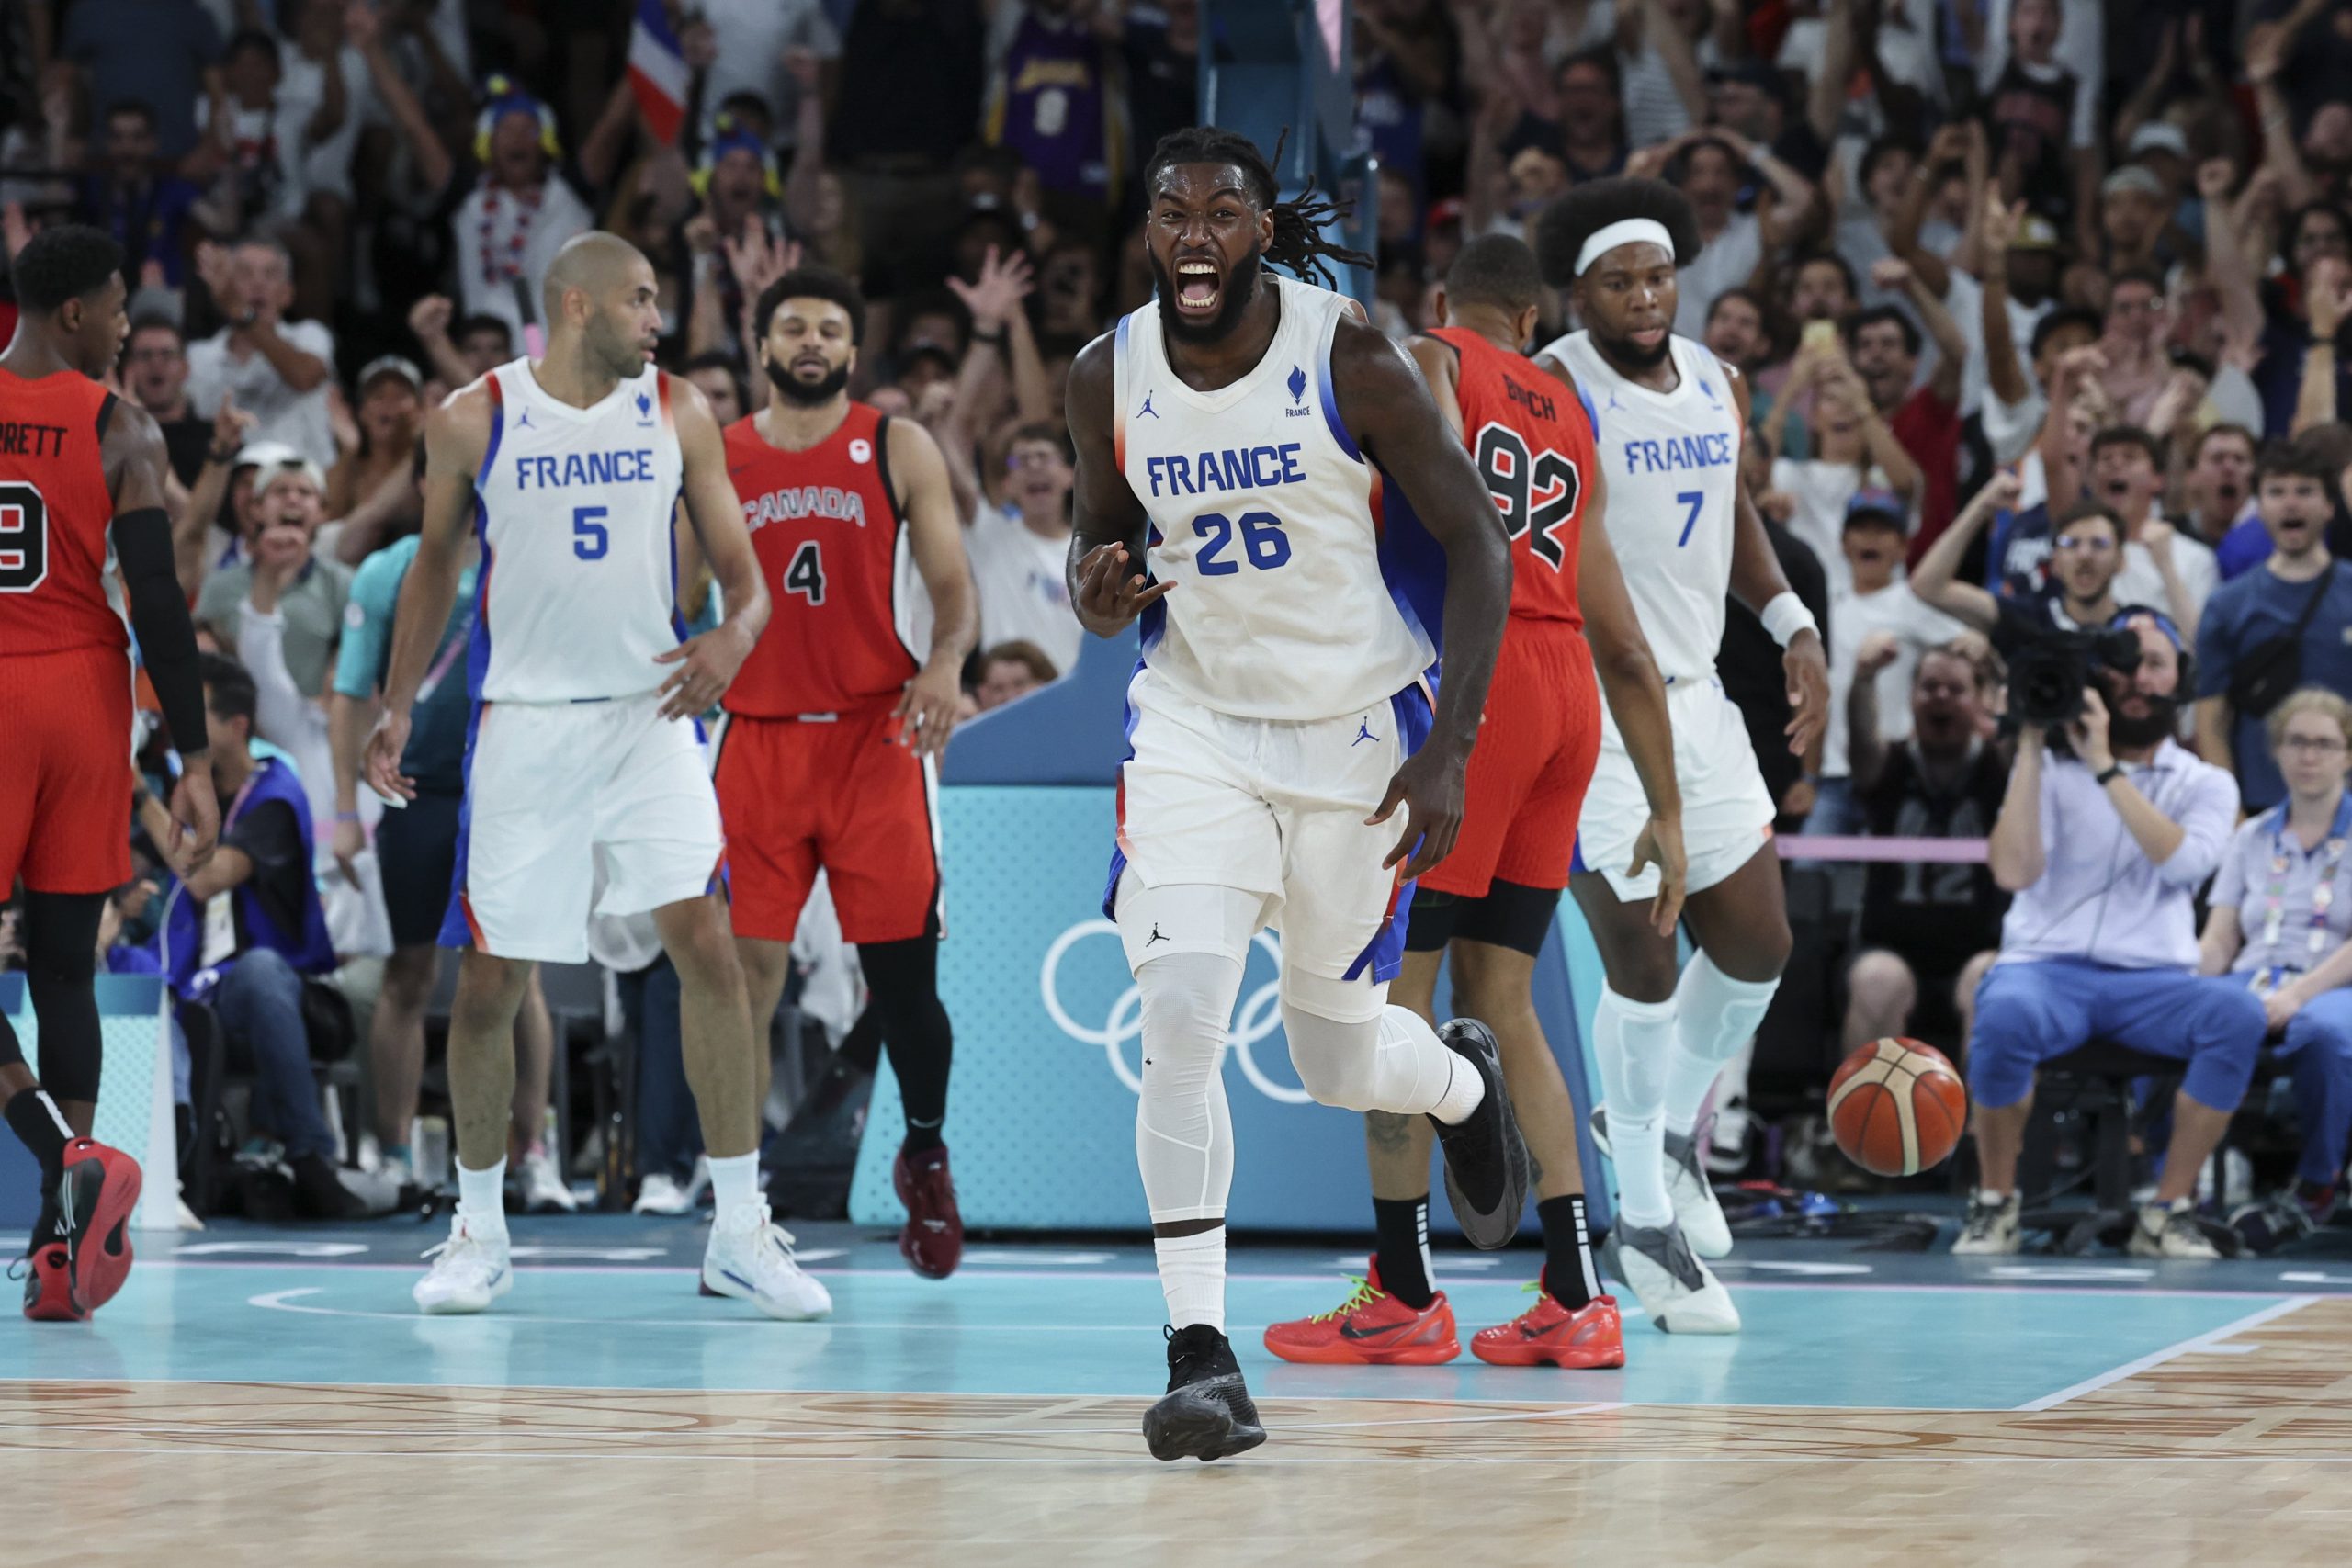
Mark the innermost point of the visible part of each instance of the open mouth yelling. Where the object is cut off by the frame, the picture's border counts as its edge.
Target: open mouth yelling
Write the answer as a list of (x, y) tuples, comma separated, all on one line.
[(1198, 291)]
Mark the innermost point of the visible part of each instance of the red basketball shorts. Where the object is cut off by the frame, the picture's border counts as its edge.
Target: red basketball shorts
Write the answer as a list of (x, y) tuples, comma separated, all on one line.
[(65, 771), (1528, 773), (840, 794)]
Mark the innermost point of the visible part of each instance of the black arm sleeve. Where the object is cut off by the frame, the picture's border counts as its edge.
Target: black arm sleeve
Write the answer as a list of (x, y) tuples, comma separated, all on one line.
[(142, 548)]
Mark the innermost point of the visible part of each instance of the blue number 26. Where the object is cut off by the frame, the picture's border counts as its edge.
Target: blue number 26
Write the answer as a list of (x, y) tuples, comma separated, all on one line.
[(1263, 540)]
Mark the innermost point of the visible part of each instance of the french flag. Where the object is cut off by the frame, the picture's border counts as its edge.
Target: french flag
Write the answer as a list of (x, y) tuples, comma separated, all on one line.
[(657, 71)]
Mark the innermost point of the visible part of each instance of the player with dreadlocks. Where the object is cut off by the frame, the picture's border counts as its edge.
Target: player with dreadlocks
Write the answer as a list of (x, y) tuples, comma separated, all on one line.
[(1667, 422), (1233, 438)]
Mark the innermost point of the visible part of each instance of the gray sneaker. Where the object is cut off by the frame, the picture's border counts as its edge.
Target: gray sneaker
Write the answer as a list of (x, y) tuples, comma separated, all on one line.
[(1487, 1171), (1680, 1293), (2171, 1231), (1991, 1229), (1696, 1209)]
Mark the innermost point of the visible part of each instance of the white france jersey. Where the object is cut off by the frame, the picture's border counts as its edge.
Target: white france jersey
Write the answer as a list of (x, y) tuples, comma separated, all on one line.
[(578, 588), (1264, 514), (1672, 460)]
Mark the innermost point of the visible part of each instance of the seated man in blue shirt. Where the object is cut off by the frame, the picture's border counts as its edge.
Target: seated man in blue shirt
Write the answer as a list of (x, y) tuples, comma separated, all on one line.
[(2105, 849)]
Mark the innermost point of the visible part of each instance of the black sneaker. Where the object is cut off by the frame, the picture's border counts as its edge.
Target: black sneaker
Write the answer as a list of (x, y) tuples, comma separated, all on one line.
[(1207, 1413), (1487, 1167)]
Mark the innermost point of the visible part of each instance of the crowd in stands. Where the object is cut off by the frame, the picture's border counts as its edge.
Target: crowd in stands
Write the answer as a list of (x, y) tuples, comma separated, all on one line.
[(2042, 303)]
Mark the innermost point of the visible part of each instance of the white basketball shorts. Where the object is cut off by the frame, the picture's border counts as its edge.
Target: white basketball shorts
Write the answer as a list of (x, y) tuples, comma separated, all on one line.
[(1273, 808), (1726, 811), (552, 788)]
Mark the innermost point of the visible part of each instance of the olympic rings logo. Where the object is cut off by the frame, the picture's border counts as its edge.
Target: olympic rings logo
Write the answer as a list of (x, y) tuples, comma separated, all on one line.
[(1260, 1015)]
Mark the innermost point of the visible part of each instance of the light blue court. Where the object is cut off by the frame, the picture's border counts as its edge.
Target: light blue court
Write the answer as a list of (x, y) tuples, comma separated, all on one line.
[(611, 1303)]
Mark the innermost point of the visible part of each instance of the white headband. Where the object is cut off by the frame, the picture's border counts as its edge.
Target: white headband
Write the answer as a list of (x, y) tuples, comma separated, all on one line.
[(1624, 231)]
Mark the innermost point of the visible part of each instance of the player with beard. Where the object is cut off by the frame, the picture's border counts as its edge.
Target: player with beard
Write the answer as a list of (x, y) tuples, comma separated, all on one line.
[(2105, 844), (1233, 439), (1669, 419), (834, 728)]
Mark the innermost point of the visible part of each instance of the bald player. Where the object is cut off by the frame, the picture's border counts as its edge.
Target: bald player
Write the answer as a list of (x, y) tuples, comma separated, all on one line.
[(584, 748)]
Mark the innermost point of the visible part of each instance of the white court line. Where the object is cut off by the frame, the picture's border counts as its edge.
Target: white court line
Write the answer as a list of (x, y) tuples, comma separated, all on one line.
[(2189, 1347)]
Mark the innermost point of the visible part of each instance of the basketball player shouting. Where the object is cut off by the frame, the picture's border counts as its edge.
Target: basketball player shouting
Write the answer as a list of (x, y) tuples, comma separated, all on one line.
[(572, 465), (827, 759), (1492, 901), (1280, 714), (80, 469), (1668, 420)]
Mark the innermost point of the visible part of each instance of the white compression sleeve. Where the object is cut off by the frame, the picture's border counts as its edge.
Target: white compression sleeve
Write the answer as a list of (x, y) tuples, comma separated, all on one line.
[(1390, 1060), (1183, 1129), (1714, 1018), (1633, 1082)]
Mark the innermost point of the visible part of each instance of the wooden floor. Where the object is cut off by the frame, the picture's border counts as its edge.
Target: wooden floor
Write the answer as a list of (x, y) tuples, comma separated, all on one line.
[(2233, 1451)]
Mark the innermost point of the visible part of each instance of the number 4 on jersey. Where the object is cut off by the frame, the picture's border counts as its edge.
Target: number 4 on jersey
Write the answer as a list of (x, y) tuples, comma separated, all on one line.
[(1534, 492), (805, 574)]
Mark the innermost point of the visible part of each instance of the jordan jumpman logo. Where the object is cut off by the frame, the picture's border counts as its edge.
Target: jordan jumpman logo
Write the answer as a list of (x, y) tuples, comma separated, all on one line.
[(1364, 733)]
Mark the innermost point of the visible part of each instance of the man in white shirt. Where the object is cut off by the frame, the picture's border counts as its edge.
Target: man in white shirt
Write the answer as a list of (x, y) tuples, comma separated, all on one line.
[(1872, 602), (509, 226), (1018, 551), (277, 370)]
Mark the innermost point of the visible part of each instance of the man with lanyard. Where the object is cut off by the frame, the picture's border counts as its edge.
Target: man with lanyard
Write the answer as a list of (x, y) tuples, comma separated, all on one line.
[(416, 848), (2281, 910)]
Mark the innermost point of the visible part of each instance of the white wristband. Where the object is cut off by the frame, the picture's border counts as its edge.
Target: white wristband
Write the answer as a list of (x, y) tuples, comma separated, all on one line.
[(1785, 616)]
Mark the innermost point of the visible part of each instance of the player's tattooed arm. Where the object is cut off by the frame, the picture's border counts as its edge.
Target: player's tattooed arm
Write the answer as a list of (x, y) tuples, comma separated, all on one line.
[(456, 434), (1389, 413), (1105, 570), (1755, 580), (133, 455), (707, 664), (935, 537)]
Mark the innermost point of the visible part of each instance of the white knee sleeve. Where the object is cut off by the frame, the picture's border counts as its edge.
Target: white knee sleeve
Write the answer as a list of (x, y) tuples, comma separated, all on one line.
[(1184, 1131), (1715, 1018), (1391, 1061)]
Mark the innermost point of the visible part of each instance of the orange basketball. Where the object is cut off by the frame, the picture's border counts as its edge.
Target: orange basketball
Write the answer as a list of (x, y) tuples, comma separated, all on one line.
[(1897, 1107)]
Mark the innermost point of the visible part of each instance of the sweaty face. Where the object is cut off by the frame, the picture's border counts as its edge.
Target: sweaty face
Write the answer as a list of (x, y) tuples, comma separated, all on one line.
[(99, 323), (809, 351), (1627, 299), (1207, 237), (624, 330)]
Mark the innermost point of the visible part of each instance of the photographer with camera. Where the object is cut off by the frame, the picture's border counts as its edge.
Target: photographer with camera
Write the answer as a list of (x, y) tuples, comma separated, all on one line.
[(2106, 832), (2085, 559), (2284, 623)]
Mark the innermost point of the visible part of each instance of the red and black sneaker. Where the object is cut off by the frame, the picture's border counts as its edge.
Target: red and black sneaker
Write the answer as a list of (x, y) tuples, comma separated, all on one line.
[(933, 1241), (49, 1286), (95, 1199), (1370, 1329), (1593, 1336)]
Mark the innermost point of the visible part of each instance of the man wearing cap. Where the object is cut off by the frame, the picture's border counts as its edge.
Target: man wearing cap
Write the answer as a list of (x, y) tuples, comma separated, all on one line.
[(390, 414), (2135, 220), (1871, 602)]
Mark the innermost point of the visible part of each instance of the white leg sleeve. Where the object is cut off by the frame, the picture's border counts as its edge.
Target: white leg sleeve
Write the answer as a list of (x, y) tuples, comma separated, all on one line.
[(1633, 1083), (1351, 1049), (1188, 979), (1714, 1018)]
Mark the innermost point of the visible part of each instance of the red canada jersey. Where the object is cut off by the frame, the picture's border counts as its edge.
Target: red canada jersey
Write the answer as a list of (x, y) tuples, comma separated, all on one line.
[(1532, 441), (55, 510), (827, 528)]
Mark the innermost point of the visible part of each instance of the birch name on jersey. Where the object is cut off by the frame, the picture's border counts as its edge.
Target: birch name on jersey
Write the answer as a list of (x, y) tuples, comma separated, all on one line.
[(796, 502), (1230, 469), (558, 471), (1674, 454)]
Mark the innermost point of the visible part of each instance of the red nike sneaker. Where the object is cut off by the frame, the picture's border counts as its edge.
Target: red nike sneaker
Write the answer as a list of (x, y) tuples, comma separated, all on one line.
[(49, 1290), (933, 1241), (1370, 1329), (99, 1191), (1591, 1337)]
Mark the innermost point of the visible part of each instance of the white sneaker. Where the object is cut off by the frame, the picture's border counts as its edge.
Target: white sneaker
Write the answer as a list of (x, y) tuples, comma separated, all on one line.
[(749, 1258), (1686, 1184), (1680, 1293), (2171, 1231), (469, 1271), (659, 1193), (1991, 1229), (545, 1191)]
